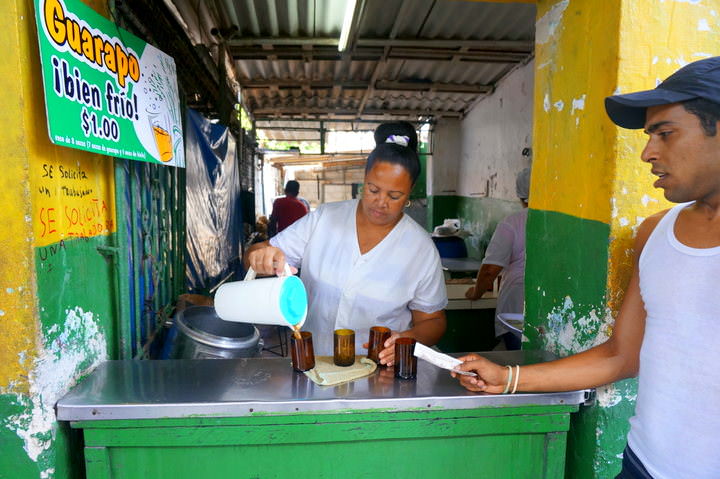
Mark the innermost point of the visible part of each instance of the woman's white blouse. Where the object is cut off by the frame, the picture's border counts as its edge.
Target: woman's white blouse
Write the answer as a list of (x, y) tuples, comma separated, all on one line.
[(349, 290)]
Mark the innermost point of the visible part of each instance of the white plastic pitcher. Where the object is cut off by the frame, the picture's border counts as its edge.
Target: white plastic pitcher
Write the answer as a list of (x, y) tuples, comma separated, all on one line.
[(279, 300)]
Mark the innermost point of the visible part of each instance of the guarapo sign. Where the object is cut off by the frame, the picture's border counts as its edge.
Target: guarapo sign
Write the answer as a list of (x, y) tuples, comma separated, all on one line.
[(107, 91)]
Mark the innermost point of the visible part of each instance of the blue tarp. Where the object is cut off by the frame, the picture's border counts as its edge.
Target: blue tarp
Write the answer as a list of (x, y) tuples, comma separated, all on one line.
[(213, 213)]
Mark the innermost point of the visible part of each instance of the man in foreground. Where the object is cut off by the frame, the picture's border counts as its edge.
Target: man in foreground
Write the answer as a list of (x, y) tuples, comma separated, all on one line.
[(672, 299)]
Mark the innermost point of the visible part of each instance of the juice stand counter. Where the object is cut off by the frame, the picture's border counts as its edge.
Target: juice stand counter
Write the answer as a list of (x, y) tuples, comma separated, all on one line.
[(257, 418)]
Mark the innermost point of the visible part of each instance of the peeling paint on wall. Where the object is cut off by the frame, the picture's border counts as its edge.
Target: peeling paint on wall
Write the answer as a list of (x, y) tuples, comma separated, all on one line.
[(548, 23), (65, 355), (568, 333), (578, 104)]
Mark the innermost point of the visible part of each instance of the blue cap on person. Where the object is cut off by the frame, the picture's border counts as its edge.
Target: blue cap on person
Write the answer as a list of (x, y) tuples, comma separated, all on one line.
[(700, 79)]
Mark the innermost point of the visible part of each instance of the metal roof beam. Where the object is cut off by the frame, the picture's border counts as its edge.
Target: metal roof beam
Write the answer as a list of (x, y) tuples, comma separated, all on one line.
[(432, 86), (278, 112), (440, 54), (382, 62), (290, 83), (521, 46), (377, 53), (289, 128), (362, 85), (326, 120)]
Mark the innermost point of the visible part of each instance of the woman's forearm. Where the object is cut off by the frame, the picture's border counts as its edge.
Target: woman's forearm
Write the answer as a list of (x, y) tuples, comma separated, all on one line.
[(429, 330)]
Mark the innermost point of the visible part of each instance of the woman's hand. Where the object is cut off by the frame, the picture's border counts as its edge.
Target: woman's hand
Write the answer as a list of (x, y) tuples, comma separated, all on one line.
[(387, 355), (491, 377), (267, 260)]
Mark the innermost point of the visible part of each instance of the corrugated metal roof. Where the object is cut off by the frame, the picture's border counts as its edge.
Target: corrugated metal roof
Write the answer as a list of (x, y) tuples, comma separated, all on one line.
[(407, 57)]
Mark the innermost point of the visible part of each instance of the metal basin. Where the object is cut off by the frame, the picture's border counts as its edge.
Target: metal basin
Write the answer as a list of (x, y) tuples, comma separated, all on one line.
[(198, 333)]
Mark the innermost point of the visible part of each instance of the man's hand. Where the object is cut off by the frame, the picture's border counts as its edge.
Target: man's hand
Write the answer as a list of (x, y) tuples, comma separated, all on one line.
[(473, 294), (491, 378)]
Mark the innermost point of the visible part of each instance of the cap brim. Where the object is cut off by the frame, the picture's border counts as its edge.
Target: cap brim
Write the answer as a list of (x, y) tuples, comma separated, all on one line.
[(628, 111)]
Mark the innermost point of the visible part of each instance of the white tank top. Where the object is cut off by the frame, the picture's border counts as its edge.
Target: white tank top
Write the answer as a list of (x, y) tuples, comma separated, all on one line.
[(676, 428)]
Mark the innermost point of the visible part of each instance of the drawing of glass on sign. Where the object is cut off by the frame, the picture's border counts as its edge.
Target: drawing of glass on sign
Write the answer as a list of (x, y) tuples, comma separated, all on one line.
[(106, 90), (158, 129)]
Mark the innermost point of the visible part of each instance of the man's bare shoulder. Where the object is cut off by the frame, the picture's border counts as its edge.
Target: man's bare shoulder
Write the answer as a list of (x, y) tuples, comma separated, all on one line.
[(647, 227)]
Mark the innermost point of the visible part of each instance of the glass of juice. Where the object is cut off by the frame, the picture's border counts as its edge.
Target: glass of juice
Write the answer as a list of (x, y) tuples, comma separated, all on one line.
[(344, 347), (301, 351), (405, 360), (376, 342)]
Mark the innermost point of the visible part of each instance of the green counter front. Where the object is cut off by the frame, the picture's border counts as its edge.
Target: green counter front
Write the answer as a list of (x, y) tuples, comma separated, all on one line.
[(256, 418)]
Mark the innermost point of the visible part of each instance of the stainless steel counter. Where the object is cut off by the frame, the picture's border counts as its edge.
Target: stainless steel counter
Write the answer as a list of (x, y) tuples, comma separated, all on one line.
[(461, 265), (243, 387)]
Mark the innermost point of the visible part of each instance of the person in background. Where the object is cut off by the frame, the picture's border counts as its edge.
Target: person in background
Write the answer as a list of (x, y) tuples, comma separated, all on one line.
[(305, 202), (364, 262), (506, 254), (286, 210), (672, 298)]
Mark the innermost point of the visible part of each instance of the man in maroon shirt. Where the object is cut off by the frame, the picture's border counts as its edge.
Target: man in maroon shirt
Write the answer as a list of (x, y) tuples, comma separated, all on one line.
[(287, 210)]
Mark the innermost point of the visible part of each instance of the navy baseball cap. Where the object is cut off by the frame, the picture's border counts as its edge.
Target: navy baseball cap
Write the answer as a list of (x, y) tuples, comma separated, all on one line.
[(700, 79)]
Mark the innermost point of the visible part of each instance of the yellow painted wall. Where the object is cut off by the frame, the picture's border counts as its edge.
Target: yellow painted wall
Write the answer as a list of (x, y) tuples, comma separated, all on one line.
[(72, 196), (575, 65), (584, 165), (27, 154), (72, 190), (17, 327), (689, 31), (26, 148)]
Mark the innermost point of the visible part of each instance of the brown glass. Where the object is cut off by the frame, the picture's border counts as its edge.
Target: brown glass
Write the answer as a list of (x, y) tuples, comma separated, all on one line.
[(405, 360), (344, 347), (376, 343), (301, 352)]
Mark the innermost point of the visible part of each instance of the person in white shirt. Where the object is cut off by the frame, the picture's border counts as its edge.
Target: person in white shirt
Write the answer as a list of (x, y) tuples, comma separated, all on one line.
[(506, 253), (671, 299), (363, 262)]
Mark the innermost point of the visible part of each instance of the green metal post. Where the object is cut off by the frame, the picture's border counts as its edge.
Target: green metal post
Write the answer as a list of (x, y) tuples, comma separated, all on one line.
[(122, 273)]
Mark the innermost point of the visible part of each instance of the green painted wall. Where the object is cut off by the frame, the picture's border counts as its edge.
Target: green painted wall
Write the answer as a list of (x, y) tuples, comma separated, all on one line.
[(440, 207), (56, 295), (566, 270), (565, 290), (420, 189), (479, 216), (76, 313)]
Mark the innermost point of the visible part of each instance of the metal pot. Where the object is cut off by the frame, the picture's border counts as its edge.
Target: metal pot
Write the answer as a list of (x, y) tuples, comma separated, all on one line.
[(198, 333)]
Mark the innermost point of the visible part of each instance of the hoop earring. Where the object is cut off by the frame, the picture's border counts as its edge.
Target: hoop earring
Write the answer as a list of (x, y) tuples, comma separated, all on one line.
[(407, 205)]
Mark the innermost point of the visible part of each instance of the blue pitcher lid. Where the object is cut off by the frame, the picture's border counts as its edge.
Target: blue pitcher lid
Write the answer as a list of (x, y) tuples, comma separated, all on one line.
[(293, 300)]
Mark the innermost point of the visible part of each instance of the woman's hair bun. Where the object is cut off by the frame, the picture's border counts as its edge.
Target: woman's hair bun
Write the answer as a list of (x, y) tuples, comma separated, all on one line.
[(397, 129)]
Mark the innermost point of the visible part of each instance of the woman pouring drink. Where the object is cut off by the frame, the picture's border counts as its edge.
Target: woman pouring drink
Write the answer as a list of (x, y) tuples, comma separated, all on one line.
[(364, 262)]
